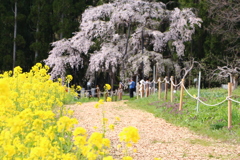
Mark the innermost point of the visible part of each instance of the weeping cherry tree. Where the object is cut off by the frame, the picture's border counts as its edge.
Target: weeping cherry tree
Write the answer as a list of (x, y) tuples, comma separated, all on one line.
[(130, 32)]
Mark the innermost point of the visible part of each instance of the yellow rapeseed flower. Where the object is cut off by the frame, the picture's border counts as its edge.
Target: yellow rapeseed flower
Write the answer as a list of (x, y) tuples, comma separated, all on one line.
[(109, 99), (79, 131), (4, 88), (69, 156), (69, 78), (107, 86), (78, 88), (129, 144), (17, 70), (70, 112), (119, 146), (96, 139), (117, 118), (80, 141), (66, 123), (39, 65), (10, 150), (105, 120), (79, 103), (106, 142), (96, 105), (101, 101), (129, 134), (111, 126), (91, 156), (46, 67), (108, 158), (30, 128), (38, 124), (127, 158)]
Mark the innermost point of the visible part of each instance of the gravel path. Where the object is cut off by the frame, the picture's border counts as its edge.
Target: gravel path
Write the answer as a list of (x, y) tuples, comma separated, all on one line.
[(158, 139)]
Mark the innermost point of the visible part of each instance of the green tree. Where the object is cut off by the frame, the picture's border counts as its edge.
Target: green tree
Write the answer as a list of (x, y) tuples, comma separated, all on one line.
[(6, 32), (42, 34), (66, 17)]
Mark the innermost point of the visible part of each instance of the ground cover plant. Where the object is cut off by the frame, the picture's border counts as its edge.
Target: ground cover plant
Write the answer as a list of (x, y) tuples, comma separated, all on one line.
[(211, 121), (35, 124)]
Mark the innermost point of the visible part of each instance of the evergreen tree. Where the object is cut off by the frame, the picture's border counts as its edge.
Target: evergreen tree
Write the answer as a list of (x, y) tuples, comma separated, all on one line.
[(6, 38), (42, 34), (66, 17)]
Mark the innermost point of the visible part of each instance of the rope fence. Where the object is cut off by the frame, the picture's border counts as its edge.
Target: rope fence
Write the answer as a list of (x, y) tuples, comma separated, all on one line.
[(183, 88), (144, 89)]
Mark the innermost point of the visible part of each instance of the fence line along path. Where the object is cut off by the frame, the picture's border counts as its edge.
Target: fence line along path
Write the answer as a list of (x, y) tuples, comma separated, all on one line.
[(159, 139)]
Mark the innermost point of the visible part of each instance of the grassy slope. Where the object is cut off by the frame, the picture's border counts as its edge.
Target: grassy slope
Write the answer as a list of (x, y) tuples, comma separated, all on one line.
[(211, 121)]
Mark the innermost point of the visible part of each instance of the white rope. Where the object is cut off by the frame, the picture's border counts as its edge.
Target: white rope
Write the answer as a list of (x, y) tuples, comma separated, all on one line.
[(197, 98), (234, 100), (159, 80), (188, 92), (211, 104), (154, 82), (165, 79), (175, 85)]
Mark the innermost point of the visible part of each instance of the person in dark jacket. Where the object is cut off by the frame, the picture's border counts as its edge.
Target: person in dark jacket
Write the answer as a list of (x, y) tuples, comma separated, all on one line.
[(132, 87)]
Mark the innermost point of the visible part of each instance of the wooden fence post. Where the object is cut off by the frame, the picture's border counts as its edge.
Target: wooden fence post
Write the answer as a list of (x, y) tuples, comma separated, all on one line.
[(159, 88), (98, 92), (120, 91), (147, 85), (116, 94), (171, 81), (112, 96), (181, 96), (229, 106), (105, 95), (143, 91), (166, 85), (137, 90)]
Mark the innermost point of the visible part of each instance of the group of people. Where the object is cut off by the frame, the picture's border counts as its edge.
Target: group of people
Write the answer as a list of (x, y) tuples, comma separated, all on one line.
[(132, 88)]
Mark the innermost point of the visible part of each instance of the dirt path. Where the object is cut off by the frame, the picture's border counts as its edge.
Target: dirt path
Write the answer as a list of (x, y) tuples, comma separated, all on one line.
[(159, 139)]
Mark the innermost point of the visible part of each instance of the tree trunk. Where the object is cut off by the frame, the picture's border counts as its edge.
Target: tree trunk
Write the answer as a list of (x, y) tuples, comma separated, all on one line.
[(142, 54), (37, 31), (15, 35), (126, 48), (61, 33), (234, 81)]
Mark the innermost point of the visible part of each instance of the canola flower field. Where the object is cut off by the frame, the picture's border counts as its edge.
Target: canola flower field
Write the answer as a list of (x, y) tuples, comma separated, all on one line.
[(34, 123)]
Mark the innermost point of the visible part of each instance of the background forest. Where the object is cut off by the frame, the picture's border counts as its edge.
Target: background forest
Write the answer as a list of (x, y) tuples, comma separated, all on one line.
[(29, 27)]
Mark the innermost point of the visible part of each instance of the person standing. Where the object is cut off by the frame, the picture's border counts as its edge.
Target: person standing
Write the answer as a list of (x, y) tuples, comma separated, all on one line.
[(89, 89), (132, 87)]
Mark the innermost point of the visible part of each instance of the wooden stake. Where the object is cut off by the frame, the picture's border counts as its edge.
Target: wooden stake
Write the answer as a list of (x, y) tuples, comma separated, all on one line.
[(98, 92), (143, 91), (181, 96), (171, 88), (120, 91), (229, 106), (159, 88), (106, 96), (166, 85), (116, 95), (137, 90), (147, 89)]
